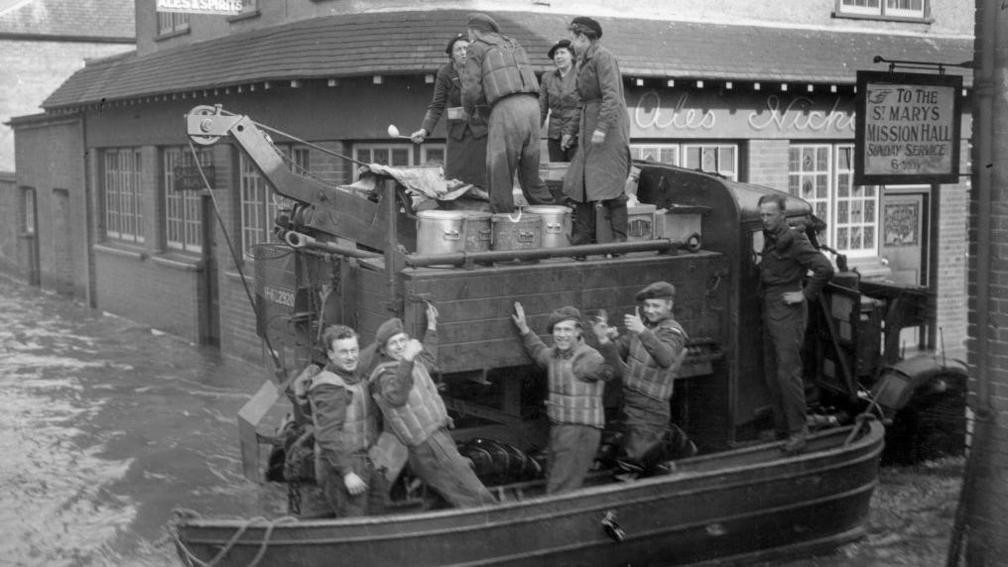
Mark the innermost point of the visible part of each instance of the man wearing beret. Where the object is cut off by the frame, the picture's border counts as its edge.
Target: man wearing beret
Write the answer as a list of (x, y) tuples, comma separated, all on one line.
[(497, 75), (646, 358), (787, 256), (576, 375), (415, 413)]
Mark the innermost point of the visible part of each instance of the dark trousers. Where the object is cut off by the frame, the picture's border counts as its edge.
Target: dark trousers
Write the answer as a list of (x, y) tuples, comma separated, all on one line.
[(647, 420), (439, 464), (513, 145), (341, 503), (556, 153), (600, 221), (570, 455), (783, 335)]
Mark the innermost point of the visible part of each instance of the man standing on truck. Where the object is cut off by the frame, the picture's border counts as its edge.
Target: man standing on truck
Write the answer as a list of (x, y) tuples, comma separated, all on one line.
[(414, 412), (647, 358), (497, 75), (346, 426), (787, 256), (576, 375)]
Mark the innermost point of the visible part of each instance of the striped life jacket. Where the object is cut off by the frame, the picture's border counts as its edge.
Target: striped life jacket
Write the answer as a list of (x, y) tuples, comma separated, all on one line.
[(572, 400), (424, 411), (643, 374), (360, 425)]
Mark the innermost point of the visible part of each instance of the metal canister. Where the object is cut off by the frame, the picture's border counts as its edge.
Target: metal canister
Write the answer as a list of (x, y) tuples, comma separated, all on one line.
[(476, 231), (440, 232), (516, 231), (556, 226)]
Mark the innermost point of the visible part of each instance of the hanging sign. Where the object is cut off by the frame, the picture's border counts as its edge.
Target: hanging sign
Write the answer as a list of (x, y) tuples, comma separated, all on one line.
[(906, 128), (223, 7)]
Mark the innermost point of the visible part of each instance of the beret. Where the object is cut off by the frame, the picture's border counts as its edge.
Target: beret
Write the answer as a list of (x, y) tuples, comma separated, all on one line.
[(587, 26), (482, 22), (563, 314), (451, 42), (387, 330), (562, 44), (657, 290)]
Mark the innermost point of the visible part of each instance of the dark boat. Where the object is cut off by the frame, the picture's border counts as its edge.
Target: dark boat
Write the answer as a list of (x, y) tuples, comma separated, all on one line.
[(737, 506)]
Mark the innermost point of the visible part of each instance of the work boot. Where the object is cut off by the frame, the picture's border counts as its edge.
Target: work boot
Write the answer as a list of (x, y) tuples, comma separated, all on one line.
[(795, 444)]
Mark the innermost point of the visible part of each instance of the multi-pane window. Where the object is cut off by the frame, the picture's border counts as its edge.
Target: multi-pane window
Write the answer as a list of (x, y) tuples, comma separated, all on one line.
[(250, 5), (171, 22), (183, 208), (384, 154), (823, 175), (28, 206), (123, 197), (256, 202), (712, 158), (884, 8), (432, 152)]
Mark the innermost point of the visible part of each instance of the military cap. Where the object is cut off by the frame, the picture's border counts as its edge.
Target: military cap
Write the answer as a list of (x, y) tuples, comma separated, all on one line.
[(387, 330), (588, 26), (657, 290), (455, 39), (564, 313), (482, 22), (562, 44)]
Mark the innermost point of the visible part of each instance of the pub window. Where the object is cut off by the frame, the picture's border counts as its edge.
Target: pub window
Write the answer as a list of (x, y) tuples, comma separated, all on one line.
[(123, 197), (183, 208), (914, 9), (259, 205), (172, 22), (823, 175), (250, 5), (384, 154), (28, 206), (712, 158), (659, 153), (432, 152)]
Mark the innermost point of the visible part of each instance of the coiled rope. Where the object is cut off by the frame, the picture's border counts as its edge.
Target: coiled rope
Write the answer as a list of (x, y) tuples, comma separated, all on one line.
[(180, 515)]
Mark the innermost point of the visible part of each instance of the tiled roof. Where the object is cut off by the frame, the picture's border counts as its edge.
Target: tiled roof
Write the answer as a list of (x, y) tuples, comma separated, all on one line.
[(78, 18), (413, 42)]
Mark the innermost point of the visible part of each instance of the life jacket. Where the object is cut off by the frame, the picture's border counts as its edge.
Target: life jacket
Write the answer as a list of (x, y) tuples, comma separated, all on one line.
[(643, 374), (572, 400), (360, 425), (424, 411), (506, 71)]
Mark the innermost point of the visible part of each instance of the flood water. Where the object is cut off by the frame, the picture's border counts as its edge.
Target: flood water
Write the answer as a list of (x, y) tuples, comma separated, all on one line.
[(107, 426)]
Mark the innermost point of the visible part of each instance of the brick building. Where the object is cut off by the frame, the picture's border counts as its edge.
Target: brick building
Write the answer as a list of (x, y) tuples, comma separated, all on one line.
[(760, 91)]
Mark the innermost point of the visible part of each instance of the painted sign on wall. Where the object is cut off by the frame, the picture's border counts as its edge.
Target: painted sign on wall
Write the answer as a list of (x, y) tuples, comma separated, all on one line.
[(224, 7), (907, 128)]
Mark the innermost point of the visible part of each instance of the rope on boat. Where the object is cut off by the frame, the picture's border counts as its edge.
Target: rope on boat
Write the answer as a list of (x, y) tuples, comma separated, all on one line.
[(182, 514)]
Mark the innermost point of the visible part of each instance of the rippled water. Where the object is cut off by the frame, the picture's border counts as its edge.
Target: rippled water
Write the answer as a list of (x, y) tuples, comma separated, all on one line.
[(105, 427)]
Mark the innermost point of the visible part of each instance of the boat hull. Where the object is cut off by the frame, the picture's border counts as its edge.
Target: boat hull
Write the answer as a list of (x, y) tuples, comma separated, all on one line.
[(735, 506)]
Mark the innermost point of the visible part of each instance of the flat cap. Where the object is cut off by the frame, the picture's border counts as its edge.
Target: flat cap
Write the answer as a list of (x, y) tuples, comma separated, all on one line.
[(567, 312), (387, 330), (588, 26), (482, 22), (657, 290)]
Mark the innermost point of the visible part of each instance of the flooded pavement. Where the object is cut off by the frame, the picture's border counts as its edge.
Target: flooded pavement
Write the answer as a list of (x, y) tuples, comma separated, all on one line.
[(107, 426)]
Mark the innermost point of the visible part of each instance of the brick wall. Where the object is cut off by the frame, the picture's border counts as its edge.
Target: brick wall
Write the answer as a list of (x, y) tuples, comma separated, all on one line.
[(950, 284)]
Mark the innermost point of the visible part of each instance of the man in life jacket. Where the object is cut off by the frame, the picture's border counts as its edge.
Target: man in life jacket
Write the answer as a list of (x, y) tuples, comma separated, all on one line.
[(576, 375), (414, 412), (346, 426), (498, 77), (647, 358)]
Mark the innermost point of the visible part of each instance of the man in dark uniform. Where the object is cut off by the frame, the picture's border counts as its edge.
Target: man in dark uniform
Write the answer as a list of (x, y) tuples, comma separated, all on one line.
[(497, 75), (787, 257)]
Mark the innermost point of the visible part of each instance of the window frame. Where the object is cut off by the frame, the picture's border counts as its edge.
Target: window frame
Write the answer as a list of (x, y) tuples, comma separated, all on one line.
[(883, 11), (189, 204), (391, 147), (177, 23), (680, 151), (123, 188), (29, 221), (835, 176)]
